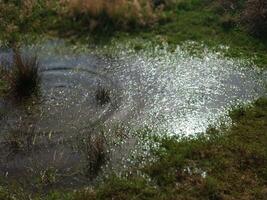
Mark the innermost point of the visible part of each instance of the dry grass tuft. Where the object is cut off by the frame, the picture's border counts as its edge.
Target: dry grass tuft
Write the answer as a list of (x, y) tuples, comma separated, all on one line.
[(120, 14)]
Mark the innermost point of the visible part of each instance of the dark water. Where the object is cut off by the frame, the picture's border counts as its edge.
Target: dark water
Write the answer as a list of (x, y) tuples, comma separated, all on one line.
[(173, 92)]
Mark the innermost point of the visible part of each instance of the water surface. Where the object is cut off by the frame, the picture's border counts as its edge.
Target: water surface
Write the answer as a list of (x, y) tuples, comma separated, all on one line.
[(167, 91)]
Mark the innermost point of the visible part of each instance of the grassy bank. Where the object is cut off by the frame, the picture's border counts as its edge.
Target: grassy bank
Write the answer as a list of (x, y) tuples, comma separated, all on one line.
[(221, 164), (237, 24)]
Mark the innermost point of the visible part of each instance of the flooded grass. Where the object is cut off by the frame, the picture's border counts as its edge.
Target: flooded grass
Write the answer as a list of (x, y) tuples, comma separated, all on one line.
[(217, 165)]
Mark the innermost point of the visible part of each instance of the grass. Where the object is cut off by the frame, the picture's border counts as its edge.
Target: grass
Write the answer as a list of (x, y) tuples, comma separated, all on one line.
[(214, 22), (192, 20), (96, 154), (102, 96), (23, 78), (109, 15)]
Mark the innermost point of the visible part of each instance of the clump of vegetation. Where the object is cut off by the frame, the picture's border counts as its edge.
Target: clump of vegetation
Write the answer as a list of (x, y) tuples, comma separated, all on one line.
[(23, 77), (102, 96), (95, 150), (96, 154), (255, 17), (112, 15)]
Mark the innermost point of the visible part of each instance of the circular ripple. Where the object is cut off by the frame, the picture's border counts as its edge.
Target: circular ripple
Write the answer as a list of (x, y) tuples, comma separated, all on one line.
[(69, 98)]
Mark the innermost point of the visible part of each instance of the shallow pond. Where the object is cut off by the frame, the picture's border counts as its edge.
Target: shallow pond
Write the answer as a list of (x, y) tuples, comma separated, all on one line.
[(168, 91)]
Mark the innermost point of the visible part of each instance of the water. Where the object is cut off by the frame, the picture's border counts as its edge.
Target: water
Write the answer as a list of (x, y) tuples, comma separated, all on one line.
[(171, 92)]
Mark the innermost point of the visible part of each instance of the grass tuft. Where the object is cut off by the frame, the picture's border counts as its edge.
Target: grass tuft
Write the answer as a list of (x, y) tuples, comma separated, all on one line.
[(102, 96), (96, 154), (23, 78), (102, 15)]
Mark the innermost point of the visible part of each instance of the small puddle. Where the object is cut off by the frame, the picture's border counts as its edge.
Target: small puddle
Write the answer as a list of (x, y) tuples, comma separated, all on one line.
[(173, 92)]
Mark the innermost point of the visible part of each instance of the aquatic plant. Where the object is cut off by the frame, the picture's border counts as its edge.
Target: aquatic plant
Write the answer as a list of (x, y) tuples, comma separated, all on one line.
[(23, 78), (102, 96)]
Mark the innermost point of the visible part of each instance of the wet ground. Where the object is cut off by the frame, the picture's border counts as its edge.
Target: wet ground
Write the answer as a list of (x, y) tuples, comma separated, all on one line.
[(171, 92)]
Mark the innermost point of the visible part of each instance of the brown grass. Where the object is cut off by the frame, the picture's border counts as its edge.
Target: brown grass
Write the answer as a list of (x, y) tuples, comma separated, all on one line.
[(119, 13)]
